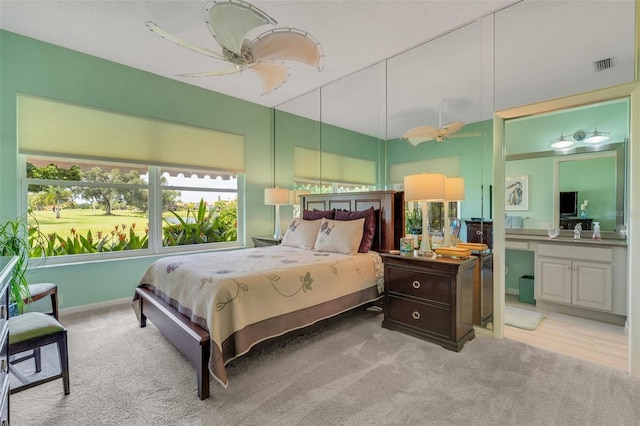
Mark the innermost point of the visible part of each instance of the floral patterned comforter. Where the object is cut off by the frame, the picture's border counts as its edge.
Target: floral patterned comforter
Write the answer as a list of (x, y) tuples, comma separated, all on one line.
[(245, 296)]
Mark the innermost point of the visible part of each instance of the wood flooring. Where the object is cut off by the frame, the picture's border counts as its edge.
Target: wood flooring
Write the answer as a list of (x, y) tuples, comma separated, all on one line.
[(581, 338)]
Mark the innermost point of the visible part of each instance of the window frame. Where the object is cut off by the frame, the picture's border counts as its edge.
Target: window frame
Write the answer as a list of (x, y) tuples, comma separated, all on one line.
[(154, 212)]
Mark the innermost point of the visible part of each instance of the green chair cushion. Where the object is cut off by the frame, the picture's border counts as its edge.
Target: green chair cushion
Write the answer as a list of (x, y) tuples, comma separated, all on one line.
[(40, 288), (31, 325)]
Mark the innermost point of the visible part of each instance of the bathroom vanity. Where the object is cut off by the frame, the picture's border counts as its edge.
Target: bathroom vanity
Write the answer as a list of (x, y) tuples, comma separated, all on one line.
[(583, 277)]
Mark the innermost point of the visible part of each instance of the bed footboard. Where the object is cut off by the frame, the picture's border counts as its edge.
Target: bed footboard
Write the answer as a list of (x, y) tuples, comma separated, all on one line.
[(189, 338)]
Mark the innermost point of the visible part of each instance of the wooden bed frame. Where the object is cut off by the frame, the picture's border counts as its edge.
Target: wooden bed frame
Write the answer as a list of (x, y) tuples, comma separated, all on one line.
[(193, 341)]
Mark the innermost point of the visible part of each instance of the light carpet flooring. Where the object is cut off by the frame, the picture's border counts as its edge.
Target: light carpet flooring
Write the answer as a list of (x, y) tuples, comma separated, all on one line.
[(351, 372)]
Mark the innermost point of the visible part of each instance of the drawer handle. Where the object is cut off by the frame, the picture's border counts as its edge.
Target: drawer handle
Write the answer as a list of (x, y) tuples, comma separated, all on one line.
[(415, 315), (4, 365), (478, 232), (416, 284), (3, 311)]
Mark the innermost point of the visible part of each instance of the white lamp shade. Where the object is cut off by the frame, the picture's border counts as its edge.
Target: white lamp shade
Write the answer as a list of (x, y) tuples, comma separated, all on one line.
[(454, 189), (424, 187), (597, 137), (276, 196)]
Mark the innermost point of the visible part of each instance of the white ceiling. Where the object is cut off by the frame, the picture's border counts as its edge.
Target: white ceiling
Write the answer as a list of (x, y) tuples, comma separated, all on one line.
[(354, 36)]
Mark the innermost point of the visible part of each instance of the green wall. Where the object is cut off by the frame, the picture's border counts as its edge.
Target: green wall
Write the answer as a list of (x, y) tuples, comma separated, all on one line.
[(595, 180), (34, 67), (540, 173)]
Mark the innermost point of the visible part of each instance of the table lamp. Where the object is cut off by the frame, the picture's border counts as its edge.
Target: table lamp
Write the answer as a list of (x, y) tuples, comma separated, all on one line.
[(424, 187), (453, 191), (276, 197)]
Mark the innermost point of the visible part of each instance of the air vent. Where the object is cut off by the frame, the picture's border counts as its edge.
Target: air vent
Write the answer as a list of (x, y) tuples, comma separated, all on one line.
[(603, 64)]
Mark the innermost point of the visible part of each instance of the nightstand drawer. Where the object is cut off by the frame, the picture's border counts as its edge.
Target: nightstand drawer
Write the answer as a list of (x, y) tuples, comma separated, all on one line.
[(422, 285), (424, 317)]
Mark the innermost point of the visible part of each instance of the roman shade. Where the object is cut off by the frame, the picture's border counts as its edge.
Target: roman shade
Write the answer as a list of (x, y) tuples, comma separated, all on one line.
[(332, 167), (61, 129)]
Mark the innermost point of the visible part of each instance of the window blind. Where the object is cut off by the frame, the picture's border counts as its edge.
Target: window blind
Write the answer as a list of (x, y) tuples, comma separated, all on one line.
[(56, 128), (333, 167)]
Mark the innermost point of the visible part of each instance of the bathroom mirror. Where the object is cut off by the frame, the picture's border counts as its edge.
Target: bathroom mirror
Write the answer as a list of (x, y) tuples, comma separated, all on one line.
[(596, 172)]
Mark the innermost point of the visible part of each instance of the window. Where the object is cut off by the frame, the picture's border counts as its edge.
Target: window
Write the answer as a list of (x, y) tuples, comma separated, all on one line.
[(89, 207), (102, 183), (198, 207)]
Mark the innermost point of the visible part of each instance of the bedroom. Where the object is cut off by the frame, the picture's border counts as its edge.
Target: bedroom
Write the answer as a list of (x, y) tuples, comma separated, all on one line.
[(115, 87)]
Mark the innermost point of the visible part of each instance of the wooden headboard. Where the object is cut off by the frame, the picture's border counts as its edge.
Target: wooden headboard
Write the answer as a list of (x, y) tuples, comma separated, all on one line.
[(389, 206)]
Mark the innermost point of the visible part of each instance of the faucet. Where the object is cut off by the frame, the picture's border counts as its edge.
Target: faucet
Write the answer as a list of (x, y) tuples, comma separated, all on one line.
[(576, 231)]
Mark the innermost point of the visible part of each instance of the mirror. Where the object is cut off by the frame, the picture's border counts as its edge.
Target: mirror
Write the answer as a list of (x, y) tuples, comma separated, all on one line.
[(416, 97), (595, 173)]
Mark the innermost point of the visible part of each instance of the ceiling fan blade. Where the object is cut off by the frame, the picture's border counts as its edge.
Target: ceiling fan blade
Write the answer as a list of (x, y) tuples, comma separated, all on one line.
[(451, 128), (273, 74), (421, 132), (416, 140), (180, 42), (225, 71), (288, 44), (230, 21)]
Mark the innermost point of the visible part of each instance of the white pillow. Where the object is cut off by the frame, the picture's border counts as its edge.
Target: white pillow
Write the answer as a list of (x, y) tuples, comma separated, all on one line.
[(301, 233), (340, 236)]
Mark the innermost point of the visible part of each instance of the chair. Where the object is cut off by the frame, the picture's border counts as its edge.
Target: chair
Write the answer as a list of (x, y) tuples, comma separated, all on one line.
[(30, 332), (41, 290)]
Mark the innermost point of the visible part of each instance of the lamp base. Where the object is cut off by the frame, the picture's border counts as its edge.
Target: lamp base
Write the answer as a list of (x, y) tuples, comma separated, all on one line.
[(425, 247), (277, 235)]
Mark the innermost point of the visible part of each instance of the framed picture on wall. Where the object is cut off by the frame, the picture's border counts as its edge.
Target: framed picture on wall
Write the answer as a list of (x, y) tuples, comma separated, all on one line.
[(516, 196)]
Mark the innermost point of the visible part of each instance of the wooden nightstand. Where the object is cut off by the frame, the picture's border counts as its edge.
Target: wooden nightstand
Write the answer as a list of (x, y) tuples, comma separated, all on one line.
[(430, 299), (483, 289), (265, 241)]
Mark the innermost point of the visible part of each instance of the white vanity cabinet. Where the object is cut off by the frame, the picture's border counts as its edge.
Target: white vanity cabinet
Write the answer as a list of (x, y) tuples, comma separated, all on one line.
[(579, 276)]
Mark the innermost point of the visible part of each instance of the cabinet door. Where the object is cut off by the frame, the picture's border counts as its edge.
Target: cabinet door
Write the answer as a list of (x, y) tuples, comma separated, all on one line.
[(553, 279), (591, 285)]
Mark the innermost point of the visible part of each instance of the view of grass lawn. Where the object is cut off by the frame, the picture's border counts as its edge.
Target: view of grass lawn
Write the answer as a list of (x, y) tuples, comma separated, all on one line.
[(83, 220)]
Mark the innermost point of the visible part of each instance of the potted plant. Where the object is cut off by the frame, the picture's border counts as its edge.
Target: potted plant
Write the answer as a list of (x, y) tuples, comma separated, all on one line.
[(413, 222), (14, 241)]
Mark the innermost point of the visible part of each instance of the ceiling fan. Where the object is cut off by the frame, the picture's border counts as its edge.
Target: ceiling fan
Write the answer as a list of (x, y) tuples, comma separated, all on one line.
[(420, 134), (229, 22)]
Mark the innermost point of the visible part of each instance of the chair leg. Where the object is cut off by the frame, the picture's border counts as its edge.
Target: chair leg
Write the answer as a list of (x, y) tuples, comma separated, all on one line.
[(38, 359), (54, 303), (64, 361)]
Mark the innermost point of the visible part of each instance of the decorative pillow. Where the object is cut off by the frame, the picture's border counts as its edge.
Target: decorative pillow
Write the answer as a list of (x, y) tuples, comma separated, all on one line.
[(318, 214), (301, 233), (339, 236), (369, 233)]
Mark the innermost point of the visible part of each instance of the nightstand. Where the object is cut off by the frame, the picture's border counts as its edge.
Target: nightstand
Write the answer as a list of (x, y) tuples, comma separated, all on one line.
[(430, 298), (483, 289), (265, 241)]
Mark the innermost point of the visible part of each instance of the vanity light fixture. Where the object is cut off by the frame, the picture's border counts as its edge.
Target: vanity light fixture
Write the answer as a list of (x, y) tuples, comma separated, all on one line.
[(596, 137), (561, 143)]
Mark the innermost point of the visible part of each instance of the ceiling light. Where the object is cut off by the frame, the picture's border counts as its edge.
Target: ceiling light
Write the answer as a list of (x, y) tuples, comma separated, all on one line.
[(597, 137), (561, 143)]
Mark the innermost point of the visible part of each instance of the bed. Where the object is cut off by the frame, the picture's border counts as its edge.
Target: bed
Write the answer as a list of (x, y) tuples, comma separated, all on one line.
[(216, 306)]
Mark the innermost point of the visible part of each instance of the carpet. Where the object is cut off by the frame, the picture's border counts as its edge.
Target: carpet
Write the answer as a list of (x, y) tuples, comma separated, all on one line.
[(522, 318), (350, 372)]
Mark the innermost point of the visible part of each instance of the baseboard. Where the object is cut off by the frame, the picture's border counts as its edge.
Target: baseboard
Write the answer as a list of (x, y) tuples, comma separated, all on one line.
[(582, 313), (93, 306)]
